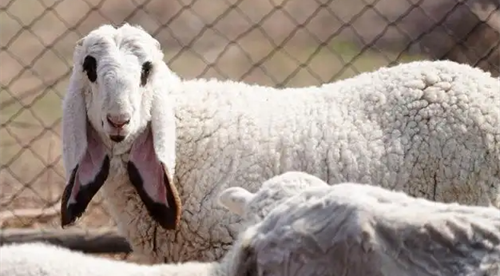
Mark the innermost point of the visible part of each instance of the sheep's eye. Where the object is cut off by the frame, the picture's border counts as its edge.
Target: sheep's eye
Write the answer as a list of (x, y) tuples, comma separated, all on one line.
[(90, 66), (146, 69)]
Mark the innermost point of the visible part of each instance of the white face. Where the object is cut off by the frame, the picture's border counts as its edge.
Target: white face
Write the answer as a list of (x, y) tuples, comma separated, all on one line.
[(119, 70)]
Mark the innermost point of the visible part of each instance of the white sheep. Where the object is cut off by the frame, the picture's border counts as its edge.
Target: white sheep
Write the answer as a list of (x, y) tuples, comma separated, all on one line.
[(166, 147), (353, 229)]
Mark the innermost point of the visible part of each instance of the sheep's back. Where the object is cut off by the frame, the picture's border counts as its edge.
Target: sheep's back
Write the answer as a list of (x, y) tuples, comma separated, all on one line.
[(364, 231), (434, 123)]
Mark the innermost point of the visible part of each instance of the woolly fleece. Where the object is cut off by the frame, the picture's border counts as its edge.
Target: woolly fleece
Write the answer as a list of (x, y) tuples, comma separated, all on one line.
[(429, 128)]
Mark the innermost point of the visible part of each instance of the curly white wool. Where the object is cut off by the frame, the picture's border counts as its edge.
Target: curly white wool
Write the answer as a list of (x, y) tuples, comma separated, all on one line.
[(429, 128)]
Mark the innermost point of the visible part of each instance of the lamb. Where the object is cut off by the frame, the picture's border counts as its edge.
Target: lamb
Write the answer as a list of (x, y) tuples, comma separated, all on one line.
[(162, 148), (352, 229)]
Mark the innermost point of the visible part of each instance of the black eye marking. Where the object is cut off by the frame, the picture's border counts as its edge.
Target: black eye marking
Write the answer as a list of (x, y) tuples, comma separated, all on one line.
[(90, 66), (146, 69)]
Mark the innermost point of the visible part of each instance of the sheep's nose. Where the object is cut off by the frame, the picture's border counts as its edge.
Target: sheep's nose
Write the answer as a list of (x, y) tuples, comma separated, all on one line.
[(118, 121)]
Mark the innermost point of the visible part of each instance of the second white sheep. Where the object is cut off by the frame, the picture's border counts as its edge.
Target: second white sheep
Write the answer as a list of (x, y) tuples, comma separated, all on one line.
[(353, 229)]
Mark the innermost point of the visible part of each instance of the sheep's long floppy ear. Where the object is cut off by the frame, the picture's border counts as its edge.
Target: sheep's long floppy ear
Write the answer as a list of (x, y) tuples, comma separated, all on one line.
[(85, 159), (151, 165), (235, 199)]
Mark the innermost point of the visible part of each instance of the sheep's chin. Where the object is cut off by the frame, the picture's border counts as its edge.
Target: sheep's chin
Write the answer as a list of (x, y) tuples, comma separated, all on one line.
[(117, 135), (117, 138)]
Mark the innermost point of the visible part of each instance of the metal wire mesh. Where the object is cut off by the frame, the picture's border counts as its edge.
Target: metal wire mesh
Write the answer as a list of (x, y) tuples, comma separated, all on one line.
[(271, 42)]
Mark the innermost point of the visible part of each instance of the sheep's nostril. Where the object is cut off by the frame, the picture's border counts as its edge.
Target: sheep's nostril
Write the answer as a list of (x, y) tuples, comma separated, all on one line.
[(118, 121)]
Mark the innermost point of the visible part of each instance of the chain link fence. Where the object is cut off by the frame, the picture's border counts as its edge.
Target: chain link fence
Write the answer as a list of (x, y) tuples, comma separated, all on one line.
[(271, 42)]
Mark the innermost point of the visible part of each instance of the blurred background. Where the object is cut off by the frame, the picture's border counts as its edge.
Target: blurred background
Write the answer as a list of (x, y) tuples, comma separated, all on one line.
[(281, 43)]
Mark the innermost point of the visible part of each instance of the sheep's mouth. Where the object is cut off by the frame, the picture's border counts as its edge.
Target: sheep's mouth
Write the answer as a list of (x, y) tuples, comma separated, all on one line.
[(117, 138)]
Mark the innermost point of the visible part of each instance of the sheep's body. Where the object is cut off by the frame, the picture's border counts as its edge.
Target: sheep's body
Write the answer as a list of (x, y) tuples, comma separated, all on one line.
[(431, 129), (374, 128), (353, 229)]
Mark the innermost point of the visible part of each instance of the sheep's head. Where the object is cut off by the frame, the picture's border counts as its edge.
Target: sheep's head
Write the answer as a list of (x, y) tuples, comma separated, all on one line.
[(116, 103), (253, 207)]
